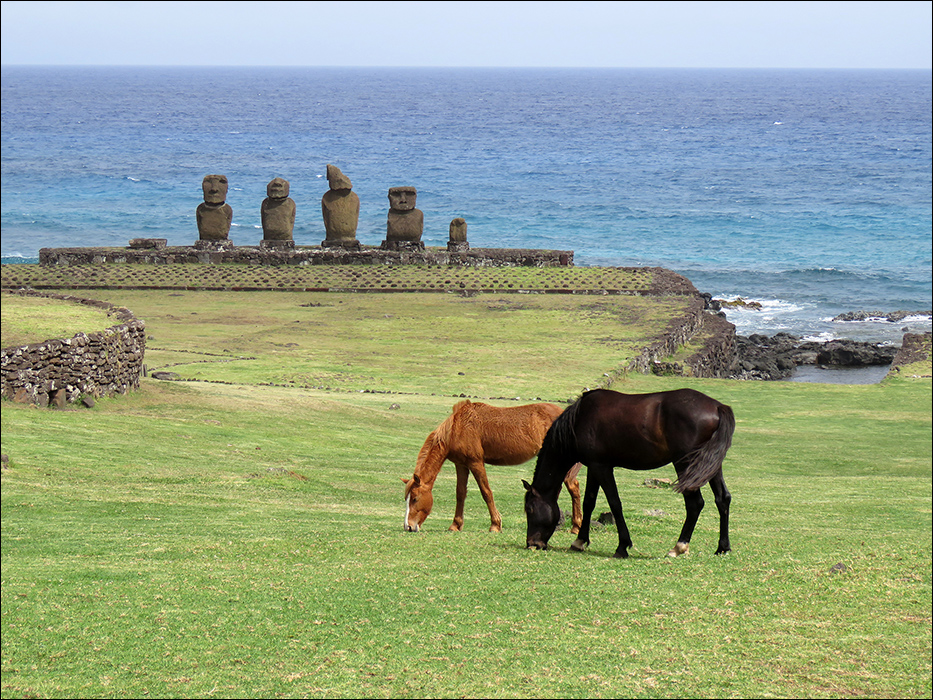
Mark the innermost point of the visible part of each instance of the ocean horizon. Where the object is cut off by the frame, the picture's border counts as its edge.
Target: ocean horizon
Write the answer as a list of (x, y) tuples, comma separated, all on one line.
[(808, 192)]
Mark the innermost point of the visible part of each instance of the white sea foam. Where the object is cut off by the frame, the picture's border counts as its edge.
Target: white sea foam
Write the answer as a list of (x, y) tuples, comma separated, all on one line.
[(912, 319), (823, 337)]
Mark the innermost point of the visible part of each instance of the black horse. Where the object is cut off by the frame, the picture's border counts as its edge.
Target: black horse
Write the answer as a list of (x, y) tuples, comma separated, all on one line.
[(605, 429)]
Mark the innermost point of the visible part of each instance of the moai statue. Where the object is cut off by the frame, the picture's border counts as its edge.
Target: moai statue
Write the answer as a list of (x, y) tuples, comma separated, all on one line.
[(340, 206), (405, 224), (278, 215), (458, 235), (214, 214)]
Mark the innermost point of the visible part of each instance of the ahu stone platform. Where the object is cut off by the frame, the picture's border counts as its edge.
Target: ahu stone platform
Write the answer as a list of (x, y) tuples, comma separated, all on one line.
[(155, 252)]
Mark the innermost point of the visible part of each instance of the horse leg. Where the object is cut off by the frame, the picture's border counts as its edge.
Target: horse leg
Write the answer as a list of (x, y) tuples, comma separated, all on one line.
[(611, 490), (573, 486), (479, 473), (693, 502), (723, 499), (589, 503), (463, 474)]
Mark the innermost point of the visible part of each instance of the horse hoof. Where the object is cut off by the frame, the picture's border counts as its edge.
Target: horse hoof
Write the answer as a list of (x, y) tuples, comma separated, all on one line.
[(579, 545), (679, 548), (620, 554), (495, 528)]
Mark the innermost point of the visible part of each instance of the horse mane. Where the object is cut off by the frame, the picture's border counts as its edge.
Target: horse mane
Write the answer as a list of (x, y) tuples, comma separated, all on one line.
[(432, 454), (562, 435), (560, 443)]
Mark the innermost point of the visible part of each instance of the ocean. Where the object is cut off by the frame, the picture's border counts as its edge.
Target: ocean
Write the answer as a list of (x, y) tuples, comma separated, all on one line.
[(808, 192)]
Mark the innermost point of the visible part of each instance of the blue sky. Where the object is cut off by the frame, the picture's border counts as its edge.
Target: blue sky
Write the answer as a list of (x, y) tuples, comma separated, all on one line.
[(568, 34)]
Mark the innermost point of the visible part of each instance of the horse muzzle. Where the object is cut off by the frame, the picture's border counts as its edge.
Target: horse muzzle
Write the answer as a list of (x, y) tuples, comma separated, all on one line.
[(535, 543), (411, 528)]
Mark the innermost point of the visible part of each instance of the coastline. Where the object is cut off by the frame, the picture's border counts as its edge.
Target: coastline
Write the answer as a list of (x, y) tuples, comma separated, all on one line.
[(724, 352)]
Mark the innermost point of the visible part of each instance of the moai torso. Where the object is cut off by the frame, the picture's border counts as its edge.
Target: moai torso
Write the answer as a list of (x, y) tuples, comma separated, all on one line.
[(277, 212), (405, 222), (214, 215), (340, 207)]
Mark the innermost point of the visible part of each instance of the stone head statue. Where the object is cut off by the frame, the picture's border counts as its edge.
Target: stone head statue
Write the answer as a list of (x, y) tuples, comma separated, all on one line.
[(214, 215), (405, 223), (277, 188), (458, 235), (277, 212), (340, 207), (215, 189), (337, 180), (402, 198)]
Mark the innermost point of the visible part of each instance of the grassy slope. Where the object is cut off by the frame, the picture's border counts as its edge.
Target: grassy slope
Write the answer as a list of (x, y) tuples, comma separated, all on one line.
[(26, 320), (229, 539), (489, 345)]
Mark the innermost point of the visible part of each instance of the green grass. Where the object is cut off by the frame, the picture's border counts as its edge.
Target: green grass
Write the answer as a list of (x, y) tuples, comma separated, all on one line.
[(488, 345), (371, 278), (232, 539), (25, 320)]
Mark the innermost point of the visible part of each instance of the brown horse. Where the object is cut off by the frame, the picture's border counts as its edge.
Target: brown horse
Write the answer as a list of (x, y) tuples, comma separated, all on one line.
[(475, 434)]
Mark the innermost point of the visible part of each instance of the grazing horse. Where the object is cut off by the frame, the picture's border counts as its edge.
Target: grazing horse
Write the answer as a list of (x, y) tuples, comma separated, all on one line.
[(475, 434), (605, 429)]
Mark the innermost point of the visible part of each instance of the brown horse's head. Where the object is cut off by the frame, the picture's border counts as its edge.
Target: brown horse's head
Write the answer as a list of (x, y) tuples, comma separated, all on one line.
[(419, 499), (543, 516)]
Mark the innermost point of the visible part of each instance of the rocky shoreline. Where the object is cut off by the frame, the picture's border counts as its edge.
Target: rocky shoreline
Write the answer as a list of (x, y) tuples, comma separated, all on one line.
[(777, 357)]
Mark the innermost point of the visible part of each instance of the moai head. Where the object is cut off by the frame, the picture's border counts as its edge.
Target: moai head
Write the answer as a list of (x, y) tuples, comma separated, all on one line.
[(215, 189), (277, 188), (337, 180), (402, 198)]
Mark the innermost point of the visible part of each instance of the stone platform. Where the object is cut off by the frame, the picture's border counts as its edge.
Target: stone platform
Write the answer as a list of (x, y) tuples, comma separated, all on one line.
[(160, 254)]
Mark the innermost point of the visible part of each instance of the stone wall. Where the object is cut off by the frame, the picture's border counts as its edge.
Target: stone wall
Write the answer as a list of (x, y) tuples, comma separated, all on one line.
[(716, 357), (86, 366), (678, 332), (307, 255)]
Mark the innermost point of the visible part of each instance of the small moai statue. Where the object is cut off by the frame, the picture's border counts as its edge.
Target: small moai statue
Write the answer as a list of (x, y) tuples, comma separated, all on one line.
[(340, 206), (405, 223), (458, 235), (214, 214), (278, 215)]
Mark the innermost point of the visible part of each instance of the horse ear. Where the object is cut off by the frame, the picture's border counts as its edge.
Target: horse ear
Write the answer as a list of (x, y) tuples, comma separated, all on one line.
[(404, 480), (527, 485)]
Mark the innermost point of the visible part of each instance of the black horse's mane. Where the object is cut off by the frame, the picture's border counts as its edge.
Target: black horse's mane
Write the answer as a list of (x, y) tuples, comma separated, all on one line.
[(561, 438)]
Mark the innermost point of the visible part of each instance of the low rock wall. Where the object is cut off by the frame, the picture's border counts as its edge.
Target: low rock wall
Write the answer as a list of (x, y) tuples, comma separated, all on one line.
[(717, 355), (678, 332), (86, 366)]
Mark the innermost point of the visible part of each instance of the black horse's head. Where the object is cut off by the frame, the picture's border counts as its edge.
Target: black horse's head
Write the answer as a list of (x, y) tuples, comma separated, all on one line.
[(543, 515)]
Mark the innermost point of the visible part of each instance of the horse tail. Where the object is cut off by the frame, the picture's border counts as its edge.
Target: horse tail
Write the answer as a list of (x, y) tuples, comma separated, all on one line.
[(704, 462)]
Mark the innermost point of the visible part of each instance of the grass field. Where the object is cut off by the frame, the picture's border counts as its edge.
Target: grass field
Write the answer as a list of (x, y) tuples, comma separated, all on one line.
[(26, 320), (240, 534)]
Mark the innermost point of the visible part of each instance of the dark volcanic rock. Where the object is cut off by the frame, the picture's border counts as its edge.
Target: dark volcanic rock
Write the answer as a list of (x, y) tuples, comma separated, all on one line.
[(771, 358), (889, 316)]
